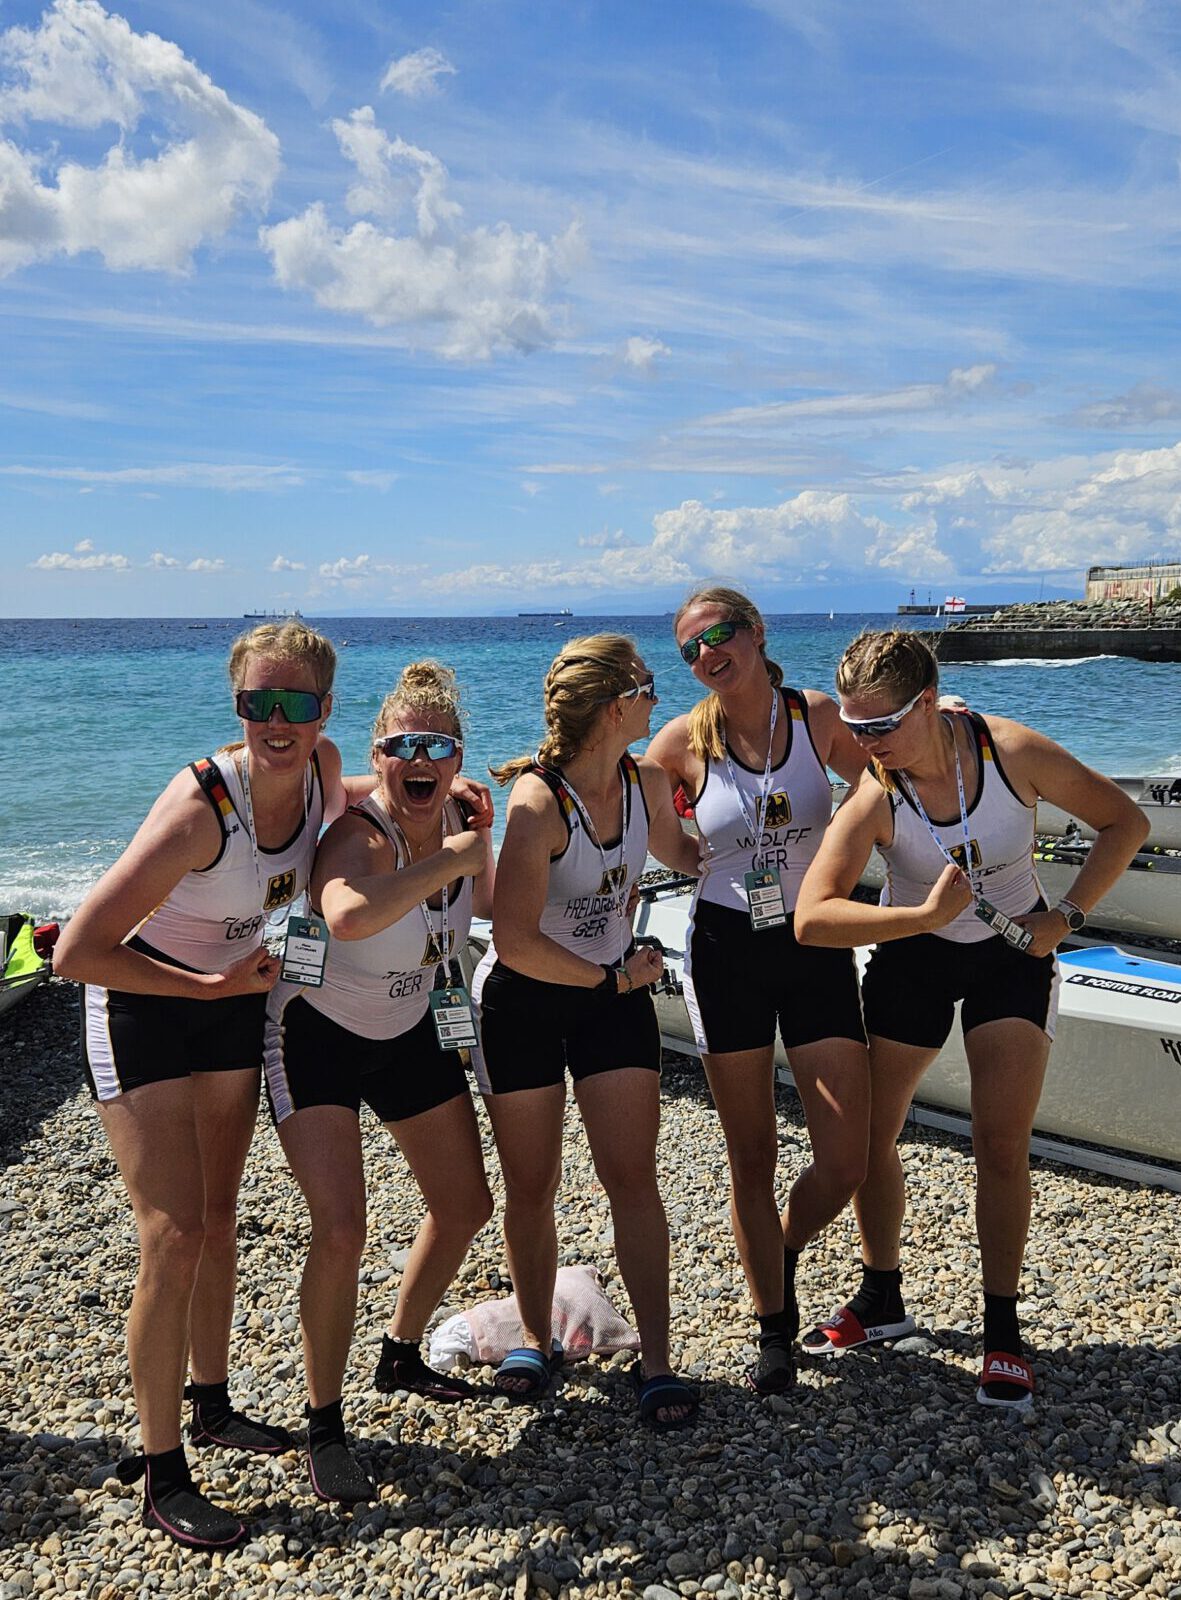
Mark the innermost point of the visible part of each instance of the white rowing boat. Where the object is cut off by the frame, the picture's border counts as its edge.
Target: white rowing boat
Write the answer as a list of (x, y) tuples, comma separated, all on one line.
[(1158, 798), (1115, 1070)]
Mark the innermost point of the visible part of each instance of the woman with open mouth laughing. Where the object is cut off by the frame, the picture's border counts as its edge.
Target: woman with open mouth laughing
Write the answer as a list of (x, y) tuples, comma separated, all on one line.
[(397, 880), (564, 988), (751, 758)]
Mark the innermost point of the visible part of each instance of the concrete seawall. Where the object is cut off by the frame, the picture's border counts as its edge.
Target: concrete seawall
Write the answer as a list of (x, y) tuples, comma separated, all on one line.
[(975, 643)]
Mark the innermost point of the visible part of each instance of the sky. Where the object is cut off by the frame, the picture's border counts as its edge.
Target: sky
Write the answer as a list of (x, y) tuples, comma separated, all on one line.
[(486, 306)]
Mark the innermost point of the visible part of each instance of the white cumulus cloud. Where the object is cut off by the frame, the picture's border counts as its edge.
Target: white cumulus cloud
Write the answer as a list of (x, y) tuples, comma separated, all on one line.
[(281, 564), (635, 567), (417, 74), (813, 532), (162, 562), (95, 561), (205, 564), (466, 293), (642, 353), (204, 160)]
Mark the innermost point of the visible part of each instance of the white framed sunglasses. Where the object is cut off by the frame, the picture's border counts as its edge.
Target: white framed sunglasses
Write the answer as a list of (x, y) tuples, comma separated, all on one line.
[(879, 727)]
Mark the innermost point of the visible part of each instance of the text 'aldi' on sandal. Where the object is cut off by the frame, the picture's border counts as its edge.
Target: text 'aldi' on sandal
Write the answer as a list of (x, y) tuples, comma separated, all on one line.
[(525, 1373), (844, 1330), (1006, 1382)]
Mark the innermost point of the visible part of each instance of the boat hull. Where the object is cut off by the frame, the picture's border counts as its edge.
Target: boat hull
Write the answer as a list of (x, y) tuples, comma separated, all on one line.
[(1114, 1077)]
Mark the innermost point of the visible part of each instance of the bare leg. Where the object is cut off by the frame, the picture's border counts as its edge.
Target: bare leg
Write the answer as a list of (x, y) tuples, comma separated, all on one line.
[(225, 1106), (1007, 1060), (442, 1149), (832, 1077), (323, 1147), (621, 1114), (880, 1203), (742, 1085), (154, 1140), (527, 1124)]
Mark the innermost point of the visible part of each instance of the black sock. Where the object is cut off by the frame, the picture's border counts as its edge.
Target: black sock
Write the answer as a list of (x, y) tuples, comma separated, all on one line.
[(167, 1471), (791, 1306), (212, 1400), (879, 1298), (775, 1330), (399, 1349), (325, 1425), (1001, 1331)]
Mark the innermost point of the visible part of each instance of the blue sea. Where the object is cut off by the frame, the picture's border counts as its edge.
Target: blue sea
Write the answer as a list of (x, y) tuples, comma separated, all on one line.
[(101, 712)]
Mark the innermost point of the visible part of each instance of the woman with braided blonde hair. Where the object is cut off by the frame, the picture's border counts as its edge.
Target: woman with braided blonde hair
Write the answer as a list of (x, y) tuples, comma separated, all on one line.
[(564, 988), (752, 759)]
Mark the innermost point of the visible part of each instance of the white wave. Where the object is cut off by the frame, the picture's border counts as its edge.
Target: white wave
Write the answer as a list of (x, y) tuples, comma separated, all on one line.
[(1032, 661), (49, 882)]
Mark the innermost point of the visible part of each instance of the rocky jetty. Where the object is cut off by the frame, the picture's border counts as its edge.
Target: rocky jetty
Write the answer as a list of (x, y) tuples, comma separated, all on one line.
[(1061, 629), (878, 1476)]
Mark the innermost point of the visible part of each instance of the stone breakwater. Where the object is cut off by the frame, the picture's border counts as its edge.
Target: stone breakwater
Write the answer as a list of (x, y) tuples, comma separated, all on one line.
[(1063, 630), (878, 1476)]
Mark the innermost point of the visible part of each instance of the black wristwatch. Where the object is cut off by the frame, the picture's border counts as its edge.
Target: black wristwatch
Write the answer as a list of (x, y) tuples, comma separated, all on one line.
[(610, 983), (1076, 919)]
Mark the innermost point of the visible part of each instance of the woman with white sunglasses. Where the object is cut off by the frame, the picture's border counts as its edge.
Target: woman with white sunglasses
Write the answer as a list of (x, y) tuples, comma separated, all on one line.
[(396, 881), (751, 759), (563, 989), (949, 803)]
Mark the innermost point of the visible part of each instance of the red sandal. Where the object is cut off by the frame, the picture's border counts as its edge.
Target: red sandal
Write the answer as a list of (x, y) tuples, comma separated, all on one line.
[(1001, 1368)]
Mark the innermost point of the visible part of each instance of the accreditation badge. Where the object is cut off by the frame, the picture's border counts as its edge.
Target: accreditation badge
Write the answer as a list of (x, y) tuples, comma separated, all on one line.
[(305, 950), (455, 1025), (764, 896)]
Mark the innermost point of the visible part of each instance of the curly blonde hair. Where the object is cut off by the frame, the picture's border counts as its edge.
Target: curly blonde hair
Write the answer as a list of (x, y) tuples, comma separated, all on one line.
[(586, 674), (707, 721), (289, 640), (426, 686)]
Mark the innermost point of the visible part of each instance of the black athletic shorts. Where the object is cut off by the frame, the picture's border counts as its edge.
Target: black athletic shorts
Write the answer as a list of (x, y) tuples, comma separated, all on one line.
[(532, 1032), (911, 986), (740, 985), (313, 1061), (132, 1039)]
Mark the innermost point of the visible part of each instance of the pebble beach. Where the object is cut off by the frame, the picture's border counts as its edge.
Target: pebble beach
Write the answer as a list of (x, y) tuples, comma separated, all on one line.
[(877, 1476)]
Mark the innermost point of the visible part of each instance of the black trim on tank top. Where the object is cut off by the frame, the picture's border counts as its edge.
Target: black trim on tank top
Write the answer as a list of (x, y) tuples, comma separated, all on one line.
[(950, 822), (633, 768), (757, 772), (312, 781), (143, 948), (797, 695), (984, 733), (206, 780)]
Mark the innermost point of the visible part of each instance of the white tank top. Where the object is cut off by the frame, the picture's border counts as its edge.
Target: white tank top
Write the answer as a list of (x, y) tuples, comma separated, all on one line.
[(215, 915), (799, 805), (380, 987), (586, 884), (1000, 830)]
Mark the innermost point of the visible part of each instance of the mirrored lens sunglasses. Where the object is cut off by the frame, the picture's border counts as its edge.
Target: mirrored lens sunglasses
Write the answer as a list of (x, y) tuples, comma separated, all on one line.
[(297, 705), (718, 633), (404, 746), (879, 727)]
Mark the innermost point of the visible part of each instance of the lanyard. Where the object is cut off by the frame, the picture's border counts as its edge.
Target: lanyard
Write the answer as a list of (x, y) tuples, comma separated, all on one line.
[(755, 823), (618, 891), (438, 937), (251, 832), (944, 851)]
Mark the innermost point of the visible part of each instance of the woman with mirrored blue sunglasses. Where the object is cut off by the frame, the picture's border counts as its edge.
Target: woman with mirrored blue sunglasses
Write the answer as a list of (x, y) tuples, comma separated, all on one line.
[(396, 882), (750, 760)]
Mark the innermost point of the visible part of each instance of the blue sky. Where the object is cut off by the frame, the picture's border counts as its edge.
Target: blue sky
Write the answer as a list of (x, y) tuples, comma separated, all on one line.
[(497, 305)]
